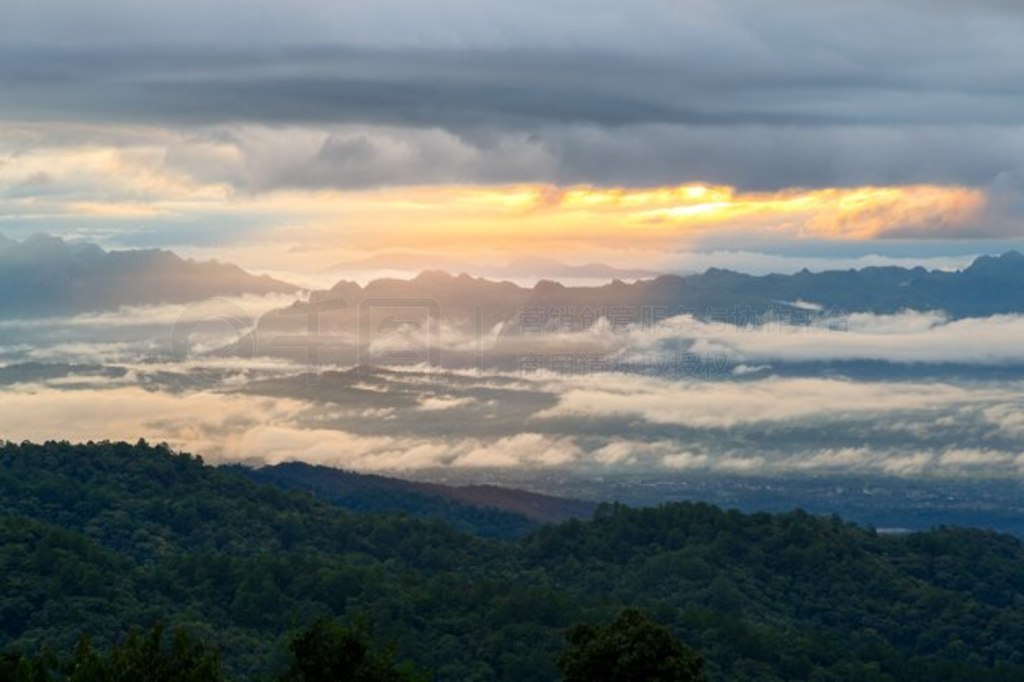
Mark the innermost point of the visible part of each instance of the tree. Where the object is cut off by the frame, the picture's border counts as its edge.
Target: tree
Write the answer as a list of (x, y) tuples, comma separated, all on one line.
[(151, 657), (632, 648), (327, 652)]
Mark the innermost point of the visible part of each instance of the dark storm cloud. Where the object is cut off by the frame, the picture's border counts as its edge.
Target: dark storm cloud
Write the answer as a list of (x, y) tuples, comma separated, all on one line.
[(485, 88), (743, 92)]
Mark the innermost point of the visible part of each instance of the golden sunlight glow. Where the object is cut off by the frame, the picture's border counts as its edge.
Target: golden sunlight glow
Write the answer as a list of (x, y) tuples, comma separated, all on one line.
[(100, 184), (511, 216)]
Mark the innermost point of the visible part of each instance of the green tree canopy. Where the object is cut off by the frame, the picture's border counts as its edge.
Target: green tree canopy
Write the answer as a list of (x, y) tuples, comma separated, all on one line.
[(150, 657), (327, 652), (632, 648)]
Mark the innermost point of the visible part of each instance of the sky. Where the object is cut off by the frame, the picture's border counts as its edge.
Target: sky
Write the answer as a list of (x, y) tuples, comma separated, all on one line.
[(292, 136), (317, 140)]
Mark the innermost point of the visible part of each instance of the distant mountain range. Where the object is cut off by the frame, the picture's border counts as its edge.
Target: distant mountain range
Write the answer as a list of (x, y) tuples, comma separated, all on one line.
[(520, 268), (45, 276), (435, 300)]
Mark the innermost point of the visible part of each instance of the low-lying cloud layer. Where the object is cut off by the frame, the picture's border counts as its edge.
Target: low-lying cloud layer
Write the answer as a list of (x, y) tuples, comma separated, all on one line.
[(797, 334), (910, 338), (260, 412), (785, 398)]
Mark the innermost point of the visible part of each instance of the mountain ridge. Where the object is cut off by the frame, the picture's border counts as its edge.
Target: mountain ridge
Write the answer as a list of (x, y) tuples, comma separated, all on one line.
[(518, 268), (489, 511), (474, 307), (47, 276), (717, 285)]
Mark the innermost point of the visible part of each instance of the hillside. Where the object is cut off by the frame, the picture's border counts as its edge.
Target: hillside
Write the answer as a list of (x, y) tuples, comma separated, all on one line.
[(487, 510), (536, 506), (379, 494), (101, 536), (44, 276)]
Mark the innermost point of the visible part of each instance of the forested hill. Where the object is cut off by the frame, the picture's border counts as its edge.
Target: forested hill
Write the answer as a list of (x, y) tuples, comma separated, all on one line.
[(485, 510), (96, 537)]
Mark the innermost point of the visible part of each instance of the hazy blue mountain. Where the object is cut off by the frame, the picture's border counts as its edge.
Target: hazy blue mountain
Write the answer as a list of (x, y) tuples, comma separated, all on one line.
[(520, 268), (403, 317), (548, 267), (45, 276), (991, 285), (354, 317)]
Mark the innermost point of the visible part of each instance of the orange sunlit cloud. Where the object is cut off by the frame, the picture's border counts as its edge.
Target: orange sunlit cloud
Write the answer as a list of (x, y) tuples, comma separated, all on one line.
[(134, 185), (511, 216)]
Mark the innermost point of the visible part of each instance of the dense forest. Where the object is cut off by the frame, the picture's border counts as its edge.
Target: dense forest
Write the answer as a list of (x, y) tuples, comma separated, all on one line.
[(101, 539)]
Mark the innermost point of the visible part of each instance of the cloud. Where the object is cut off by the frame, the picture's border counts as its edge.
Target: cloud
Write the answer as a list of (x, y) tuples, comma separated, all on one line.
[(773, 399), (968, 458), (921, 342), (249, 307), (195, 420), (904, 338), (256, 158), (685, 460), (907, 465), (600, 424), (431, 187), (746, 93), (441, 403), (260, 153), (842, 459), (235, 427), (910, 337), (525, 449), (1009, 419)]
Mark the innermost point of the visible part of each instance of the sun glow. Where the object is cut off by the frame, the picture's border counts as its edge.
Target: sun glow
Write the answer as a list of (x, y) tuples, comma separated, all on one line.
[(511, 215), (100, 186)]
